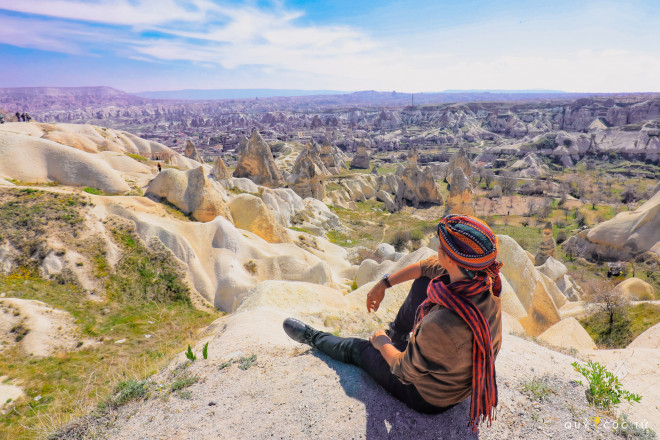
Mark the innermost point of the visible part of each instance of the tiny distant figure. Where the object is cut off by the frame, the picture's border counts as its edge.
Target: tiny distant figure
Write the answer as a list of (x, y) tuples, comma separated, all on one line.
[(2, 119), (28, 118), (159, 168), (18, 117), (24, 117)]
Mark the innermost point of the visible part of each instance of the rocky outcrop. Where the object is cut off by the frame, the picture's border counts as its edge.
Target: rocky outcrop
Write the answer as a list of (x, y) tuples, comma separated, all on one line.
[(418, 185), (547, 248), (29, 159), (256, 162), (191, 192), (461, 160), (460, 198), (361, 158), (536, 292), (250, 213), (626, 235), (191, 152), (332, 157), (530, 166), (568, 333), (634, 289), (650, 338), (307, 177), (220, 170)]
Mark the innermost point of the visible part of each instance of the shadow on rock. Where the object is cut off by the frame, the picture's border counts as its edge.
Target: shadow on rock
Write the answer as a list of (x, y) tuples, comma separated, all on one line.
[(388, 418)]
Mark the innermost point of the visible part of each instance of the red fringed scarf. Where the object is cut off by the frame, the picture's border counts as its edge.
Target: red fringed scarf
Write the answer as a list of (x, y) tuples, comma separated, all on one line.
[(484, 387)]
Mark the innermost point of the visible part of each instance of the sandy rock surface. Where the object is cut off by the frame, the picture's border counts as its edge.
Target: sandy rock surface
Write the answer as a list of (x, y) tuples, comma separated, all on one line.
[(37, 328), (294, 392)]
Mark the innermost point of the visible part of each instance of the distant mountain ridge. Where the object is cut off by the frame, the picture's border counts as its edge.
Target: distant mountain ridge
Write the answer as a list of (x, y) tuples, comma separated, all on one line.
[(212, 94)]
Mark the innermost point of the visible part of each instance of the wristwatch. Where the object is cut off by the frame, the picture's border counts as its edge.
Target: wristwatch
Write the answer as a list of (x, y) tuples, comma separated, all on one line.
[(386, 280)]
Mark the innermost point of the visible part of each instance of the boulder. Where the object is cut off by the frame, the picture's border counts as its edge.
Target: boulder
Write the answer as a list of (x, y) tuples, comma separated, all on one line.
[(250, 213), (191, 192), (553, 269), (386, 251), (568, 333), (418, 186), (460, 198), (191, 152), (361, 158), (256, 162), (386, 198), (626, 235), (510, 302), (650, 338), (547, 248), (220, 170), (634, 289), (530, 166)]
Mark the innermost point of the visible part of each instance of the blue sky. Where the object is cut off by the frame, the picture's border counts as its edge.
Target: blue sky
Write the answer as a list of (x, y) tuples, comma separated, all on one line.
[(410, 46)]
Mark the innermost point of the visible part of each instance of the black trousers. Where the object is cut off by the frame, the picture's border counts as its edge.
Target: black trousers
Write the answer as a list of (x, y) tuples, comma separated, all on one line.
[(361, 353)]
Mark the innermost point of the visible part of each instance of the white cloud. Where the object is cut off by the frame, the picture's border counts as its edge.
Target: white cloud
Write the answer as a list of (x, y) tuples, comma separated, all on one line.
[(291, 54)]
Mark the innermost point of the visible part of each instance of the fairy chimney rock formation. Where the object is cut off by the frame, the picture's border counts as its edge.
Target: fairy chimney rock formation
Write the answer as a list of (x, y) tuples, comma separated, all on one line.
[(418, 185), (256, 162), (460, 160), (361, 158), (414, 155), (460, 198), (308, 174), (332, 157), (220, 170), (547, 248), (191, 152)]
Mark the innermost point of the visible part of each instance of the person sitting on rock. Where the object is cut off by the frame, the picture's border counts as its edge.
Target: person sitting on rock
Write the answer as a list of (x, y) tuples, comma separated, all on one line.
[(442, 345)]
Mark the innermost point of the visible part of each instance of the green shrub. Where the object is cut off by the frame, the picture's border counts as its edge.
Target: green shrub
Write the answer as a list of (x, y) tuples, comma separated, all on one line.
[(205, 351), (604, 387), (183, 382), (90, 190), (247, 361), (538, 388), (127, 391)]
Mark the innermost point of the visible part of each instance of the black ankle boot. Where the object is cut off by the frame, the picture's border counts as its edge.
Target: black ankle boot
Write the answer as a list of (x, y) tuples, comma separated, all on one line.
[(396, 335), (299, 331)]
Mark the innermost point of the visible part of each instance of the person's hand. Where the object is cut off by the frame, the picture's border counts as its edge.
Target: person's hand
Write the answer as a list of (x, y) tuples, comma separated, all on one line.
[(375, 296), (379, 339)]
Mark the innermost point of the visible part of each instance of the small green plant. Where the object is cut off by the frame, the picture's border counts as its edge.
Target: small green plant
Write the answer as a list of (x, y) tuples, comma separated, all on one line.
[(247, 361), (538, 388), (628, 429), (205, 351), (127, 391), (190, 355), (225, 365), (90, 190), (604, 387), (183, 382)]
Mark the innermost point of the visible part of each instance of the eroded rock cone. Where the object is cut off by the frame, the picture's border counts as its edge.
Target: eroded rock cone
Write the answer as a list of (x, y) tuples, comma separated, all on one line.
[(547, 248), (332, 157), (461, 160), (220, 170), (361, 158), (256, 162), (191, 152), (191, 192), (418, 185), (308, 174), (461, 195)]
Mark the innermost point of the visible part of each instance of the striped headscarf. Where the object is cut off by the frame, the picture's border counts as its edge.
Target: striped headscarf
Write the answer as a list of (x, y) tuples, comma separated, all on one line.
[(473, 246)]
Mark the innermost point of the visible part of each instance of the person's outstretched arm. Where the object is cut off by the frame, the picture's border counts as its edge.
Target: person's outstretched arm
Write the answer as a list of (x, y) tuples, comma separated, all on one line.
[(377, 292)]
